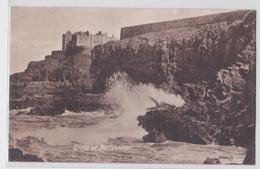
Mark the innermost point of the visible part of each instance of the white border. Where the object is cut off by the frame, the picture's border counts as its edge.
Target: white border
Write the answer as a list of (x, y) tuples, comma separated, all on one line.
[(4, 65), (222, 4)]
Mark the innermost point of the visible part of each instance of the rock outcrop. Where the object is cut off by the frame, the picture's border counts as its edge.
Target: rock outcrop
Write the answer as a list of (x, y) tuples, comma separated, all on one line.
[(61, 81), (212, 161), (184, 55), (70, 67), (220, 103), (212, 66), (250, 155), (17, 155), (186, 124)]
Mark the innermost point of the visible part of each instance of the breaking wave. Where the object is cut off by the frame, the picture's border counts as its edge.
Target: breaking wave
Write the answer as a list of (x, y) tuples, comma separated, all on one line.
[(129, 100)]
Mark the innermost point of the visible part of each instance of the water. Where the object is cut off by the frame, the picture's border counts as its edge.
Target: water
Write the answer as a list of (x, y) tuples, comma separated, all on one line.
[(128, 101), (53, 138)]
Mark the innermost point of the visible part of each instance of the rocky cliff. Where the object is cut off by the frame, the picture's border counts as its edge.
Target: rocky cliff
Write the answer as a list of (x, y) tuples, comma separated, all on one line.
[(212, 66), (51, 85), (184, 55), (71, 66)]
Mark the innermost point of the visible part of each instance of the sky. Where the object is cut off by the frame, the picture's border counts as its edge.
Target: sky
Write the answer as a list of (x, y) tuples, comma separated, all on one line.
[(36, 31)]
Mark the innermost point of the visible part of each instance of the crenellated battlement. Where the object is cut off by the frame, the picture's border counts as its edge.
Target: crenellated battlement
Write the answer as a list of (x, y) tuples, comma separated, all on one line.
[(84, 39)]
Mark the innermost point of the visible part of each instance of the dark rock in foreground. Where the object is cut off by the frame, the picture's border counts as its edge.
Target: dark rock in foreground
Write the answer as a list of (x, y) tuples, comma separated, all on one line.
[(16, 154), (250, 155), (178, 124)]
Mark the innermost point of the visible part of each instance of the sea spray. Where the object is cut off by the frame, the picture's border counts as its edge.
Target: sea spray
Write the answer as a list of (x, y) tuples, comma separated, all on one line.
[(129, 100)]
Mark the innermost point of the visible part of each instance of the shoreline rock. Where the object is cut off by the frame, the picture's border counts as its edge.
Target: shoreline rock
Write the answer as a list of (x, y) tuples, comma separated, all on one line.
[(17, 155)]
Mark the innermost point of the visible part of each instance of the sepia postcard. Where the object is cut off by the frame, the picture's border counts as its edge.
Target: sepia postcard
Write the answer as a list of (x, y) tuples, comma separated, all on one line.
[(132, 85)]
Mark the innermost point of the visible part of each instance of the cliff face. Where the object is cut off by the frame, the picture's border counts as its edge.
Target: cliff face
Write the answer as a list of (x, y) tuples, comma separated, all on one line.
[(71, 66), (46, 85), (184, 55), (222, 109), (212, 66)]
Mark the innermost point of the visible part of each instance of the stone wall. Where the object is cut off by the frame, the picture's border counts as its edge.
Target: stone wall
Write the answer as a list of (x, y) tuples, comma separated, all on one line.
[(132, 31)]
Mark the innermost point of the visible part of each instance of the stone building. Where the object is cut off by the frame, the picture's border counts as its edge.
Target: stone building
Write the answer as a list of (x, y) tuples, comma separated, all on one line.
[(84, 39)]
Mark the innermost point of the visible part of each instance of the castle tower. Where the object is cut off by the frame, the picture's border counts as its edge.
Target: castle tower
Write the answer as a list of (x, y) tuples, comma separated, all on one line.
[(66, 39), (84, 39)]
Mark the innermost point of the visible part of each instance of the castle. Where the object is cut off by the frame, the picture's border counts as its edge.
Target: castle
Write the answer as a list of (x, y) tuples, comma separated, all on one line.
[(84, 39)]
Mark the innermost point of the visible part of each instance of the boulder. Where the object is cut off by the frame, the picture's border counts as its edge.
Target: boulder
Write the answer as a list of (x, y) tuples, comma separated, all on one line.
[(16, 154), (250, 156), (212, 161), (155, 137), (49, 110), (177, 124)]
